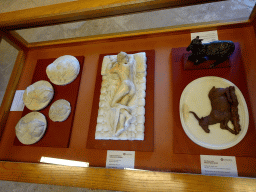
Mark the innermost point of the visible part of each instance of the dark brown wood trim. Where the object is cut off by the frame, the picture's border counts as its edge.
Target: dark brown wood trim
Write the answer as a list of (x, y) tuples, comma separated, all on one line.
[(15, 40), (253, 14)]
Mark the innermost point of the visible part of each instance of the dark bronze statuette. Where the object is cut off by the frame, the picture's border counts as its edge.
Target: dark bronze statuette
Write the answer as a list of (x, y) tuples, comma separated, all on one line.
[(215, 50)]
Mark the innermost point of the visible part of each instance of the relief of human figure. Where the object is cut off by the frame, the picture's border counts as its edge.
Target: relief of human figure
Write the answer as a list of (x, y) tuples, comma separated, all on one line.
[(124, 68), (121, 114)]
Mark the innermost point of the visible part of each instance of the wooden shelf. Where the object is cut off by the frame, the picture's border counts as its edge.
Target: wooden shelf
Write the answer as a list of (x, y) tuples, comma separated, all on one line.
[(121, 180)]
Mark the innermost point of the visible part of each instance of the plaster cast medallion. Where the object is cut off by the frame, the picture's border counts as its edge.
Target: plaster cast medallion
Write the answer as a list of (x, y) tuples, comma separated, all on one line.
[(60, 110), (63, 70), (31, 128), (38, 95)]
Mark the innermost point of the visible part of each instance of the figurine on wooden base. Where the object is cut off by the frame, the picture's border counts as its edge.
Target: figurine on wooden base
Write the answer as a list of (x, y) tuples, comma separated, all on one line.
[(215, 50)]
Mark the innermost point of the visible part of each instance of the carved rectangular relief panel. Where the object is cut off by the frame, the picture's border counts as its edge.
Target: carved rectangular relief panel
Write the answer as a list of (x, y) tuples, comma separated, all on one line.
[(121, 114)]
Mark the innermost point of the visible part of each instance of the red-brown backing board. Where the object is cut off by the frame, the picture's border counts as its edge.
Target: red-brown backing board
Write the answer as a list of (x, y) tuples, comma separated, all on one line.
[(163, 157), (235, 74), (57, 133), (148, 143)]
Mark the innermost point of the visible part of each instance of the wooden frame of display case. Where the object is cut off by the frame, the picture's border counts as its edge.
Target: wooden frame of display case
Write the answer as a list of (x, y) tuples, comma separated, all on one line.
[(101, 178)]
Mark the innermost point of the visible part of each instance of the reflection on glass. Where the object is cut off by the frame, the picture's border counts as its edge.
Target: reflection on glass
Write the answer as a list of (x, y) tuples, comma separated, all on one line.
[(8, 6), (232, 10), (63, 162), (8, 55)]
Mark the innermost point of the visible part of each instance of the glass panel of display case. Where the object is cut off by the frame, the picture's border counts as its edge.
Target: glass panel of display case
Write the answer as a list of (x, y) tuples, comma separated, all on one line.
[(8, 55), (217, 12), (8, 6), (167, 147)]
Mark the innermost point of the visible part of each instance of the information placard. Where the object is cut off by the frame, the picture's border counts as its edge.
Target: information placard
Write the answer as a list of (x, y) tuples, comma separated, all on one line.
[(120, 159), (17, 103), (207, 36), (218, 165)]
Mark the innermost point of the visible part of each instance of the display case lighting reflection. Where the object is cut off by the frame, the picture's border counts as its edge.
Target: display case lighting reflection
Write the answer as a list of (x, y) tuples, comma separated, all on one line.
[(134, 169), (63, 162)]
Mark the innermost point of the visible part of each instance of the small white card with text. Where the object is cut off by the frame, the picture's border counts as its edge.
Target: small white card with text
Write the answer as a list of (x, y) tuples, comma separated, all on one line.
[(218, 165), (17, 103), (207, 36), (120, 159)]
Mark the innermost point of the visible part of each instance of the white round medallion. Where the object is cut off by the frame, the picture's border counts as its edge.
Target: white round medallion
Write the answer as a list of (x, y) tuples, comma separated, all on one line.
[(31, 128), (38, 95), (60, 110), (63, 70)]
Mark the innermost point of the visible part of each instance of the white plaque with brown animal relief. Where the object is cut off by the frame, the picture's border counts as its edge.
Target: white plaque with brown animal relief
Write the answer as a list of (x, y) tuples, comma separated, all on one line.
[(195, 100), (121, 114)]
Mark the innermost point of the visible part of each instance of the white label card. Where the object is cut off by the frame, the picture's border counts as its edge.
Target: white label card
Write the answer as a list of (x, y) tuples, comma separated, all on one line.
[(120, 159), (218, 165), (17, 103), (207, 36)]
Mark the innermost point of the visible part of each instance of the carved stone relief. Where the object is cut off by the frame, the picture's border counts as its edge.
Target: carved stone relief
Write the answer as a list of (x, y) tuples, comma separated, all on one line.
[(121, 114)]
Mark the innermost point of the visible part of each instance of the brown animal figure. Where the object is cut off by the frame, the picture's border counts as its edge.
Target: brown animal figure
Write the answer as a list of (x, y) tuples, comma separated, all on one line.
[(224, 109)]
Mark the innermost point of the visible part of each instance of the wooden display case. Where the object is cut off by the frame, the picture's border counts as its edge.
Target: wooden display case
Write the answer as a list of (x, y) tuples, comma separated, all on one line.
[(158, 170)]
